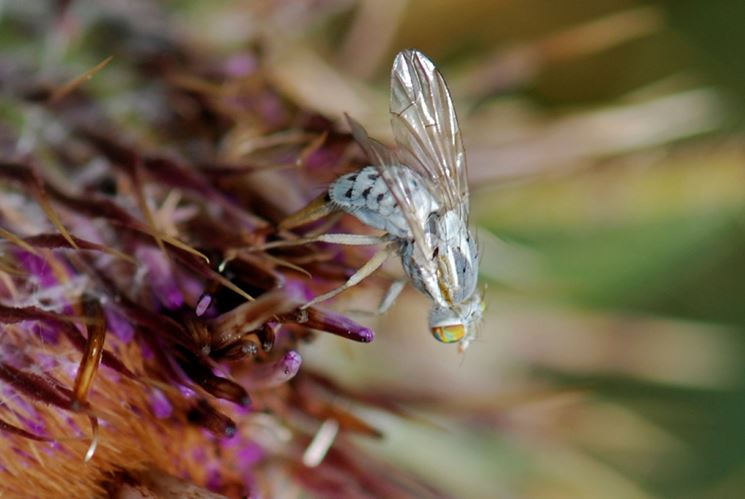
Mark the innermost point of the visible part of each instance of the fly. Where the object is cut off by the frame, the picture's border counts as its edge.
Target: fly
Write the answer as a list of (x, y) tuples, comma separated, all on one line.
[(418, 195)]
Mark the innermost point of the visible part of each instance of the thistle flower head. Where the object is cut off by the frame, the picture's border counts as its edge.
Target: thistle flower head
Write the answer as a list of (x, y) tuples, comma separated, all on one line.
[(142, 329)]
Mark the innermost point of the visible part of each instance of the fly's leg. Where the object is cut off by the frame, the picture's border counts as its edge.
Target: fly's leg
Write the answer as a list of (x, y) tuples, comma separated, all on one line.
[(315, 210), (327, 225), (362, 273), (344, 239), (321, 443), (389, 298)]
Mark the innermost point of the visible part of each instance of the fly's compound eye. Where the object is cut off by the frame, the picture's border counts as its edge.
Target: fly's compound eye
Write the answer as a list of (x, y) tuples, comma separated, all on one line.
[(449, 334)]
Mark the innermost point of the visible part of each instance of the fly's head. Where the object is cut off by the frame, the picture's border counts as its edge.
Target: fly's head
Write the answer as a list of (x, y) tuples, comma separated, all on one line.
[(457, 323)]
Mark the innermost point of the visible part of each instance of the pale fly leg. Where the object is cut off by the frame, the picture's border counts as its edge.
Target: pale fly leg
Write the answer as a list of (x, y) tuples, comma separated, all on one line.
[(362, 273), (386, 302), (389, 298), (346, 240), (327, 225), (343, 239), (315, 210)]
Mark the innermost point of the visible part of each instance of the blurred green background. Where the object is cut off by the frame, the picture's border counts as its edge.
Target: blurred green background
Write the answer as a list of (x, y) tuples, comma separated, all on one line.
[(607, 165)]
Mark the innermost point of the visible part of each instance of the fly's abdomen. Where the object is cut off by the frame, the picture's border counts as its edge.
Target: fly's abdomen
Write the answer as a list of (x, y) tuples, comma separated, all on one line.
[(365, 195)]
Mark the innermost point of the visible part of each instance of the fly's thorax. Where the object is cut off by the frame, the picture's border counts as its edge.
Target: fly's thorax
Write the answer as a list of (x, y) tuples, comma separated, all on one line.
[(365, 195)]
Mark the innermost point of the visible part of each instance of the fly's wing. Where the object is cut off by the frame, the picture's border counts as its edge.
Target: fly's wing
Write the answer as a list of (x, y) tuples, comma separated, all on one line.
[(383, 158), (426, 128)]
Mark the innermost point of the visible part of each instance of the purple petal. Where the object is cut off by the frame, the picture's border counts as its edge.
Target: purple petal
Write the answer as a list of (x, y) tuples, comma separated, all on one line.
[(160, 405), (160, 277), (47, 332), (299, 291), (271, 375), (38, 267), (118, 324), (204, 302), (192, 287), (337, 324), (251, 453), (214, 479), (241, 65), (212, 420)]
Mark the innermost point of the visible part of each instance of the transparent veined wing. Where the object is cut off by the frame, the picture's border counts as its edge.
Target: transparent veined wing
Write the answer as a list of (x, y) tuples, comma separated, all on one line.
[(426, 128)]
